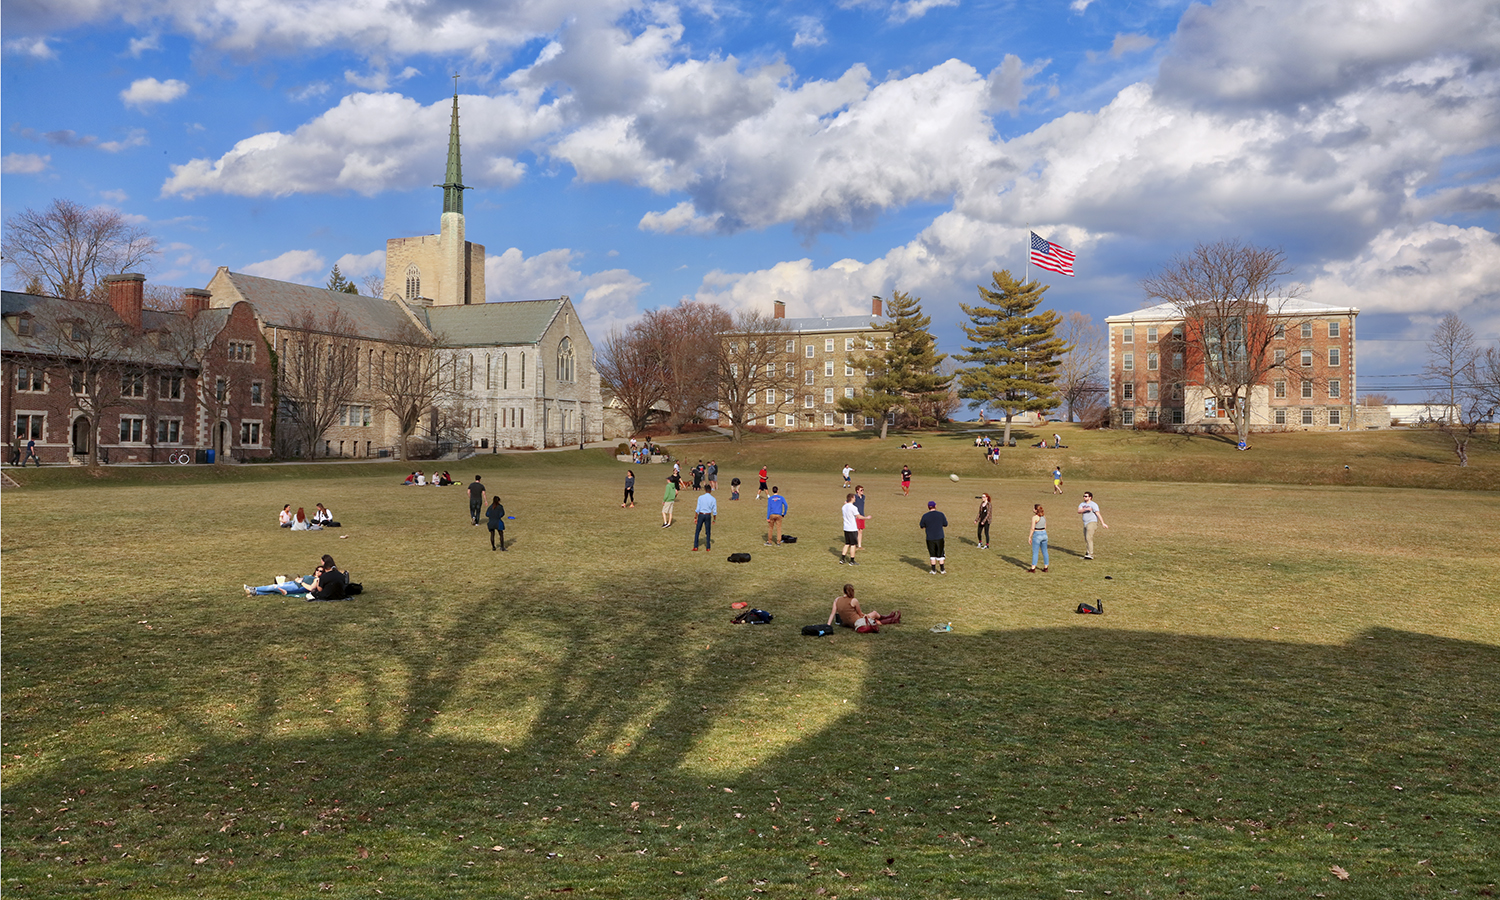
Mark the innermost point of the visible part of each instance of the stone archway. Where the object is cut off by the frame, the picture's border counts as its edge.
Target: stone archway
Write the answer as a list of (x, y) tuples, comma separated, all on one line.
[(80, 435)]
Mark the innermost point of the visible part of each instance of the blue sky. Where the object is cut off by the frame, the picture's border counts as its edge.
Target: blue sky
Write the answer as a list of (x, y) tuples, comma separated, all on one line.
[(634, 154)]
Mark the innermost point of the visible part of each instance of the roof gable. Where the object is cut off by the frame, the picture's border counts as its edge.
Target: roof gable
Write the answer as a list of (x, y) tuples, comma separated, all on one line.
[(283, 304), (494, 323)]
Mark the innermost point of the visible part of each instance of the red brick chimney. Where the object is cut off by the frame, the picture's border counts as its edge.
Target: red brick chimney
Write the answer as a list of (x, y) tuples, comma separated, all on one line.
[(194, 301), (780, 310), (876, 305), (127, 295)]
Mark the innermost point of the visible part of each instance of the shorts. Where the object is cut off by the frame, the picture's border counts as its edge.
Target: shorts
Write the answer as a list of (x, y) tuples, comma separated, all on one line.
[(935, 549), (762, 485), (860, 524), (851, 538), (906, 482), (666, 508)]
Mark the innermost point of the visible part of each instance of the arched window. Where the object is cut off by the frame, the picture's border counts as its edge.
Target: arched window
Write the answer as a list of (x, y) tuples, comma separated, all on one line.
[(505, 371), (565, 360), (413, 282)]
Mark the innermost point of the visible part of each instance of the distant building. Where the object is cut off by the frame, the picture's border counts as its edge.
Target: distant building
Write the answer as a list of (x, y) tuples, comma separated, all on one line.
[(139, 385), (1156, 371), (816, 350), (523, 369)]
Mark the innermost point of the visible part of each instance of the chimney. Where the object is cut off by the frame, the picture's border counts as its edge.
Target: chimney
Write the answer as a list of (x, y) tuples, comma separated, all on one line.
[(126, 294), (876, 304), (780, 310), (194, 301)]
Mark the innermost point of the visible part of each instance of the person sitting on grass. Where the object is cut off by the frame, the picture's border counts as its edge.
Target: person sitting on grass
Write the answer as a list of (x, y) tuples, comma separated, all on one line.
[(846, 611), (300, 585), (286, 516)]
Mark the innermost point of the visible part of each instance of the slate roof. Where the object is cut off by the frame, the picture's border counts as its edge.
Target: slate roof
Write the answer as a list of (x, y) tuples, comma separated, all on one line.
[(493, 324), (282, 303), (1170, 311), (805, 324), (46, 312)]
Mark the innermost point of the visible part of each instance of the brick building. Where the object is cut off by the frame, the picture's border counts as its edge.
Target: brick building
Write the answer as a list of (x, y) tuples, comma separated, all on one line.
[(137, 384), (816, 349), (1157, 369)]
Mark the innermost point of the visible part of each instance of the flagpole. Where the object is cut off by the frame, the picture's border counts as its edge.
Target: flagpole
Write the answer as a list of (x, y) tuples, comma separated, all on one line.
[(1027, 279)]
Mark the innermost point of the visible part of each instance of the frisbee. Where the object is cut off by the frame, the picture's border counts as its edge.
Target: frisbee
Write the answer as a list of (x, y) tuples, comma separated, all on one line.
[(953, 477)]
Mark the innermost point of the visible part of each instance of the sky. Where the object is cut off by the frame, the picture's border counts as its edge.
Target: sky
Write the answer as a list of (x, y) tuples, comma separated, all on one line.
[(635, 154)]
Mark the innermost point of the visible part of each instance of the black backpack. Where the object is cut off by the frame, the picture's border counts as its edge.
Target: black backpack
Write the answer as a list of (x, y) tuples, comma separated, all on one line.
[(817, 630), (1086, 610), (752, 617), (739, 557)]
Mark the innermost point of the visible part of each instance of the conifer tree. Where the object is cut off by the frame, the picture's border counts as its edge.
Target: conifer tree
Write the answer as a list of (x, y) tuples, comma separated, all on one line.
[(337, 282), (905, 372), (1016, 349)]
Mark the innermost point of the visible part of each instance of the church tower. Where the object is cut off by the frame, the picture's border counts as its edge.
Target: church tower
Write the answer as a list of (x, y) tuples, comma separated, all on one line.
[(443, 269)]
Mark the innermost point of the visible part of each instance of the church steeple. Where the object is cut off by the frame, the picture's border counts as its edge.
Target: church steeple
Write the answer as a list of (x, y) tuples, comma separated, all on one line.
[(453, 186)]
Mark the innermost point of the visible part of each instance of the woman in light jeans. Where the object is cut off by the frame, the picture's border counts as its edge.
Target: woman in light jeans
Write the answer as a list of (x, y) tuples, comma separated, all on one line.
[(1038, 537)]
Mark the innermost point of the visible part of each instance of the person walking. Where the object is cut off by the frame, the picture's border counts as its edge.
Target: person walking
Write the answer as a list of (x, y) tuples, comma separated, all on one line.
[(776, 510), (906, 481), (859, 502), (986, 512), (496, 517), (668, 500), (1038, 536), (762, 489), (1089, 510), (629, 489), (708, 510), (933, 522), (852, 518), (1057, 479), (476, 499), (31, 455), (712, 474)]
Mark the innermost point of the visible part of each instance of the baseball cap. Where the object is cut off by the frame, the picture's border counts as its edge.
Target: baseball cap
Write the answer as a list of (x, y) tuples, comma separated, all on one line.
[(932, 504)]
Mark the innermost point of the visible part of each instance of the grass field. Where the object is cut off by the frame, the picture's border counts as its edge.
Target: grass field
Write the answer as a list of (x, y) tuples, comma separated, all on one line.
[(1292, 692)]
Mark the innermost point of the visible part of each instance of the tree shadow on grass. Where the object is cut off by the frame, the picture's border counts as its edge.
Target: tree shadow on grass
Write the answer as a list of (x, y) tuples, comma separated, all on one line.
[(392, 746)]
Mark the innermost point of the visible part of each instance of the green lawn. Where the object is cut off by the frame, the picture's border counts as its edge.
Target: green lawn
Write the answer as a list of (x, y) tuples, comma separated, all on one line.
[(1291, 681)]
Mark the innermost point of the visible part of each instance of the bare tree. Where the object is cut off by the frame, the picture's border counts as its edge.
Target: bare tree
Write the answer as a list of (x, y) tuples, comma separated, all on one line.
[(1376, 400), (1080, 380), (411, 385), (752, 367), (631, 372), (1234, 306), (188, 342), (94, 348), (1454, 365), (685, 340), (373, 285), (318, 375), (67, 248)]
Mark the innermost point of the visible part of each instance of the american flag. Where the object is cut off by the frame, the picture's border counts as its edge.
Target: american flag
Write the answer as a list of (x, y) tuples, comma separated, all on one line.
[(1050, 256)]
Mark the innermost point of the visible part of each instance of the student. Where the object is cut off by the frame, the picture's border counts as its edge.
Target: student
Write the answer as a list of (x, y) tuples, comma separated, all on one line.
[(496, 516), (986, 513), (308, 585), (629, 489), (668, 500), (299, 521), (286, 516), (1089, 510), (708, 510), (851, 516), (906, 481), (323, 517), (847, 472), (476, 499), (933, 522), (846, 611), (762, 489), (859, 501), (1057, 479), (776, 510), (1038, 536)]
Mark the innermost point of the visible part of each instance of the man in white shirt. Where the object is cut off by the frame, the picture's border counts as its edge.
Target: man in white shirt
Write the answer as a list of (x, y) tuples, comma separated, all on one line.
[(1089, 510), (708, 510), (852, 518)]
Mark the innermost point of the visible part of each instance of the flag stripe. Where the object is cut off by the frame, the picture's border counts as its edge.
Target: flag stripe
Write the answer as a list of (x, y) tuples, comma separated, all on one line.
[(1050, 256)]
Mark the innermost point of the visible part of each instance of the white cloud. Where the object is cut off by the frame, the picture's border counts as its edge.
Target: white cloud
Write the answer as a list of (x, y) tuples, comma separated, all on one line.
[(338, 151), (310, 91), (1080, 6), (1430, 268), (116, 196), (24, 163), (303, 266), (1123, 45), (145, 92), (1006, 83), (379, 79), (809, 32), (358, 265), (679, 218), (604, 299), (142, 44), (898, 10), (136, 137), (36, 48)]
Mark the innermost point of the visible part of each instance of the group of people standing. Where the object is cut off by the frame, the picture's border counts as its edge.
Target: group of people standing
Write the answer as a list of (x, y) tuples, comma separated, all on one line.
[(1088, 510)]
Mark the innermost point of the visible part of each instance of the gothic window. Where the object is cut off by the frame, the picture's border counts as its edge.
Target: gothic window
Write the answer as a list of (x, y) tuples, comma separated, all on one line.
[(413, 282), (565, 360)]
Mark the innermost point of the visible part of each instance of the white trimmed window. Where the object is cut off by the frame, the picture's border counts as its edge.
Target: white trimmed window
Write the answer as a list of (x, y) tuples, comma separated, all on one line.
[(1307, 417), (1279, 357), (848, 370), (827, 368), (791, 370), (1127, 335), (132, 429), (1307, 359), (1280, 417), (807, 401), (1152, 390), (1127, 390), (250, 434), (809, 353), (848, 418), (1335, 389), (1127, 361), (770, 395), (1151, 416), (848, 344), (1333, 329), (791, 346), (30, 379), (828, 397), (1151, 334), (169, 431), (1176, 416), (828, 345), (1307, 331), (1280, 390), (1307, 390), (789, 421), (849, 393), (1333, 357), (809, 377), (1151, 362), (828, 419), (1127, 417), (1335, 416)]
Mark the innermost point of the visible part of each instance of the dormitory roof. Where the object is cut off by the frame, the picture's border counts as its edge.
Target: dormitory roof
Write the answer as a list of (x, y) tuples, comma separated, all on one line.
[(1170, 312), (492, 324), (282, 303), (805, 324), (47, 312)]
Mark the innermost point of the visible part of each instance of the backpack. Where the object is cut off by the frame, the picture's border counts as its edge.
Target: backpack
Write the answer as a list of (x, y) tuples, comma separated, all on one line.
[(752, 617), (739, 557), (866, 625), (817, 630), (788, 539), (1086, 610)]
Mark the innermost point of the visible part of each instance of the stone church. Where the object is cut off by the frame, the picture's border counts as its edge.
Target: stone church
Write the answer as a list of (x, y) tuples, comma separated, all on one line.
[(523, 369)]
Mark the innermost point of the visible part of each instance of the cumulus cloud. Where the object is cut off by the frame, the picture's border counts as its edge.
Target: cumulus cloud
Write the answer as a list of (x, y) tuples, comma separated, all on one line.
[(145, 92), (379, 79), (809, 32), (36, 48), (303, 266), (681, 217), (136, 137), (338, 151), (604, 299), (1006, 85), (142, 44), (24, 163), (357, 265), (115, 196), (1428, 268), (898, 10)]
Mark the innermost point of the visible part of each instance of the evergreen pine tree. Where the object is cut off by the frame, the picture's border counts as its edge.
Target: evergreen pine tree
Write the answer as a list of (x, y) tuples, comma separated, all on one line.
[(906, 372), (1016, 349), (337, 282)]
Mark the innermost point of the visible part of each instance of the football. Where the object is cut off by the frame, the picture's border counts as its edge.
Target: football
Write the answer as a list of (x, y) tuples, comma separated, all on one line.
[(953, 477)]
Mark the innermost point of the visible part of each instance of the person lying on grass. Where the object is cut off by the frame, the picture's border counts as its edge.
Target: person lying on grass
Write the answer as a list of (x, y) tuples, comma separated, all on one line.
[(847, 612), (325, 583)]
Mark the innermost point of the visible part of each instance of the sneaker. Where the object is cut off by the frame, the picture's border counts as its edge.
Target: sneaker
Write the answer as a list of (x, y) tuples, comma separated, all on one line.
[(841, 560), (932, 571), (695, 549), (767, 543), (853, 562), (943, 570), (1044, 568), (1088, 557)]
